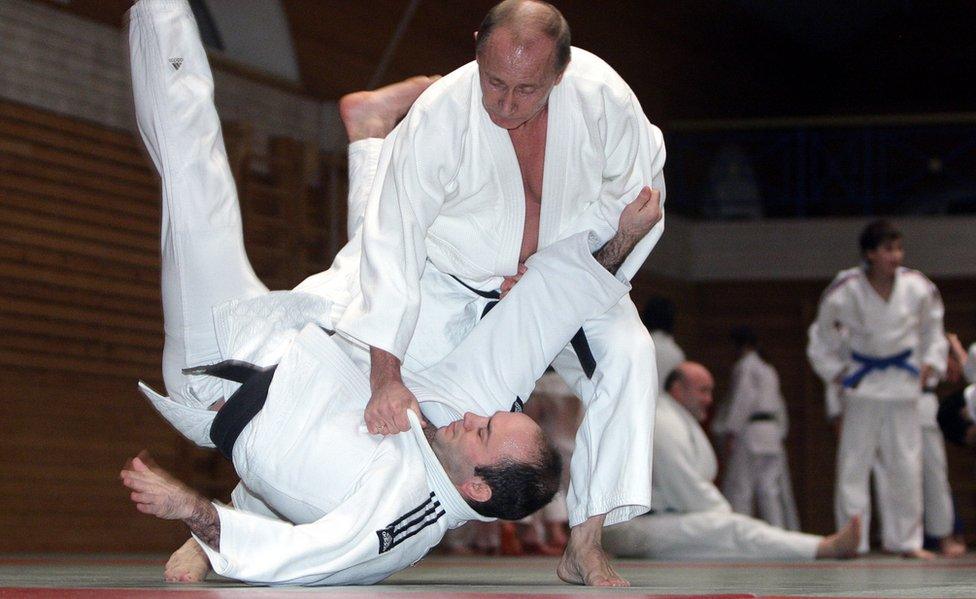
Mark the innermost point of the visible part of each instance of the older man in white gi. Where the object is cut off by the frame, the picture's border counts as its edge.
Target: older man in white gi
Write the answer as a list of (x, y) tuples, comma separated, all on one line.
[(322, 501), (756, 422), (690, 519), (532, 142), (877, 338)]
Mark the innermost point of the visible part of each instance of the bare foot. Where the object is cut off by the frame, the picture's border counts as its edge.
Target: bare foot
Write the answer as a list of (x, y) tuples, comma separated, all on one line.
[(189, 563), (584, 561), (921, 554), (374, 113), (843, 543), (952, 547)]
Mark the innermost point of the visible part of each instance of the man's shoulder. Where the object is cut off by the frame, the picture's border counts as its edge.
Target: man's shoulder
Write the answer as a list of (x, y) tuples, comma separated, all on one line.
[(917, 280), (843, 280), (587, 71)]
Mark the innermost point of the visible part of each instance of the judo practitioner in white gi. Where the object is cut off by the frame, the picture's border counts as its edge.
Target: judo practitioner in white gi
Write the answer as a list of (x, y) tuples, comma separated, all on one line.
[(690, 519), (877, 336), (754, 425), (658, 316), (323, 501), (532, 142)]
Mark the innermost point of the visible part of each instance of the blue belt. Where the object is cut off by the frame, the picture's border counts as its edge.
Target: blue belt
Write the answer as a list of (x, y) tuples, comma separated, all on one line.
[(871, 363)]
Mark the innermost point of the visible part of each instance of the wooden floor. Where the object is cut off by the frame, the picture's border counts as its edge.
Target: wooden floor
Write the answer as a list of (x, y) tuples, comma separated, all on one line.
[(111, 577)]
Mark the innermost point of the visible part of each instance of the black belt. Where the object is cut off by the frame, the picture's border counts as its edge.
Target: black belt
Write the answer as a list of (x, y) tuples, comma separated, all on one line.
[(241, 407), (579, 342), (762, 417)]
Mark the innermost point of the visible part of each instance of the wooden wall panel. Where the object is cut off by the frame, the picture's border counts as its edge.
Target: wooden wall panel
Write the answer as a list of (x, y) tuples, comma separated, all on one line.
[(81, 319)]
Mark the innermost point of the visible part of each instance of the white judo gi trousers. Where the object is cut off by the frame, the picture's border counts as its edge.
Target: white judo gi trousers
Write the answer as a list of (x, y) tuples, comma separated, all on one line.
[(886, 433), (711, 535), (203, 259)]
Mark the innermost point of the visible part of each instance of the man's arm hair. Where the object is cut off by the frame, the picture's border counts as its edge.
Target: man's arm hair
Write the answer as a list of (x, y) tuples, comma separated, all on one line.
[(613, 253), (204, 522), (637, 218)]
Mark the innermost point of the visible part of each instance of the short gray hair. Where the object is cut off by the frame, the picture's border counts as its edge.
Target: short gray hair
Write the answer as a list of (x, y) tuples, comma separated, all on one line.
[(550, 23)]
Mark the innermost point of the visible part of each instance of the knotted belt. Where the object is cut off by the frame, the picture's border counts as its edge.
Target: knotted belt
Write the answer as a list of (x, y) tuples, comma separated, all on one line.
[(579, 342), (871, 363), (240, 407)]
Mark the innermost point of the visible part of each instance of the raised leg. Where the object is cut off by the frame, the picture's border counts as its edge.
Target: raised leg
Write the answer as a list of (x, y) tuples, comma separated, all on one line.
[(203, 257)]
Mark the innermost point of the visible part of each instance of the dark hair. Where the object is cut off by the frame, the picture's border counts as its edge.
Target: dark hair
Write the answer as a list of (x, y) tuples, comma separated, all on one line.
[(673, 378), (519, 488), (876, 234), (658, 314), (553, 26), (743, 336)]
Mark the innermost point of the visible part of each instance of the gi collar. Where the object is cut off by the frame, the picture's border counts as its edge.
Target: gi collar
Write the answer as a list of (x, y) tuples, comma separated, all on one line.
[(452, 501)]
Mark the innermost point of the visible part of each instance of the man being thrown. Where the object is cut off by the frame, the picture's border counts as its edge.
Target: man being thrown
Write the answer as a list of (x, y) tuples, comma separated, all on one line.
[(533, 142), (323, 501), (690, 519)]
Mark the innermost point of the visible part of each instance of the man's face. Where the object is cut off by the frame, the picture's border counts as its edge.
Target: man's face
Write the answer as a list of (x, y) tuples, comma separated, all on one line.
[(483, 441), (516, 77), (695, 391), (887, 257)]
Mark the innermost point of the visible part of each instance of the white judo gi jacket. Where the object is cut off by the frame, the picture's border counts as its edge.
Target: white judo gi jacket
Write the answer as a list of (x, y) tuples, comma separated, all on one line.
[(449, 198), (322, 501), (755, 390), (684, 463), (852, 317)]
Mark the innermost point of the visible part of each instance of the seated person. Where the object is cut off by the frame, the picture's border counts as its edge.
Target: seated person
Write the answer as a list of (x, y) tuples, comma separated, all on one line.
[(689, 519), (323, 501)]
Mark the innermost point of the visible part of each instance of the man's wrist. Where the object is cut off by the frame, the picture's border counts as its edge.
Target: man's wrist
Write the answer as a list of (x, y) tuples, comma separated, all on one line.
[(384, 368), (204, 522)]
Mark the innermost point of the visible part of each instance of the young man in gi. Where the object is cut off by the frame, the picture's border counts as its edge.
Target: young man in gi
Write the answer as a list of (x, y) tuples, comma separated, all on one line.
[(323, 501), (690, 520), (878, 337), (532, 142), (755, 423)]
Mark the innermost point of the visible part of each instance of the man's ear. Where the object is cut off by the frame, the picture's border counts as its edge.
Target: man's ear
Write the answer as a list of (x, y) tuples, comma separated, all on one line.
[(476, 489)]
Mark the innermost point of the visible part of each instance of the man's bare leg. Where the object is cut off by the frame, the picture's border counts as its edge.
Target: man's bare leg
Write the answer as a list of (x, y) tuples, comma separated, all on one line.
[(584, 561), (369, 114), (843, 543)]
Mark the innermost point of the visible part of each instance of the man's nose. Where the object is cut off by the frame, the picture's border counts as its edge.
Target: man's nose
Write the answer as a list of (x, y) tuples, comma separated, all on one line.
[(508, 102), (472, 420)]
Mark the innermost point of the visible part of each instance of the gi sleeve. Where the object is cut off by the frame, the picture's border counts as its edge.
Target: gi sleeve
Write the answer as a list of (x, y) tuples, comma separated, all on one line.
[(677, 474), (242, 499), (261, 550), (634, 157), (409, 191), (933, 345), (825, 345), (510, 348)]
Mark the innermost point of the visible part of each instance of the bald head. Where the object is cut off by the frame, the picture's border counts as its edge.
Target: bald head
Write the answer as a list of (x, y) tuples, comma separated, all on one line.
[(527, 22), (691, 385)]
